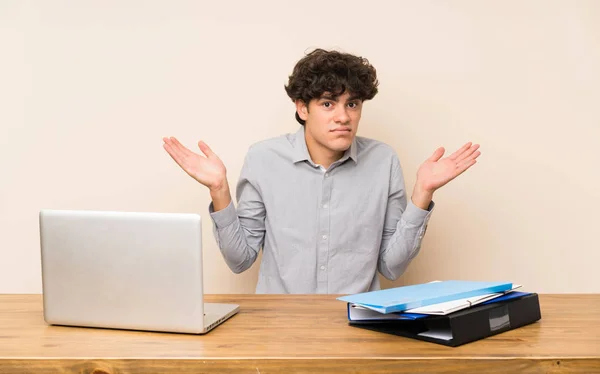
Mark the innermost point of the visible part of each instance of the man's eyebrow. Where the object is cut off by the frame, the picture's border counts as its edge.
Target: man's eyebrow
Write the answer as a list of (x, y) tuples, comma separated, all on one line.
[(328, 97), (336, 98)]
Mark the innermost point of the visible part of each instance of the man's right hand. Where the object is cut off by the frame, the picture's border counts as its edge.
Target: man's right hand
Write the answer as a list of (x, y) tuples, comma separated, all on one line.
[(208, 170)]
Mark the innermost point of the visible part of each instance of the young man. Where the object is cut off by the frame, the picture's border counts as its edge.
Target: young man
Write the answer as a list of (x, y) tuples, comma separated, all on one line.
[(328, 208)]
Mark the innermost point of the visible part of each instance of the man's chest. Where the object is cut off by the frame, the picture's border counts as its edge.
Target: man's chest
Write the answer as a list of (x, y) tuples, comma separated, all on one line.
[(306, 197)]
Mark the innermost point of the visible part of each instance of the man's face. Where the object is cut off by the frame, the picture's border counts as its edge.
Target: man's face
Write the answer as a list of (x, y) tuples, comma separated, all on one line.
[(331, 122)]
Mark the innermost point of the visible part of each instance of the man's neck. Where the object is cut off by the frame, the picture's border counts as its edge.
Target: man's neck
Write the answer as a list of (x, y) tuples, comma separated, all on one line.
[(321, 155)]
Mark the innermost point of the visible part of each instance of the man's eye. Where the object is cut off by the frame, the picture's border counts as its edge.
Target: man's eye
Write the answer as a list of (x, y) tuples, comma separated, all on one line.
[(353, 105), (327, 104)]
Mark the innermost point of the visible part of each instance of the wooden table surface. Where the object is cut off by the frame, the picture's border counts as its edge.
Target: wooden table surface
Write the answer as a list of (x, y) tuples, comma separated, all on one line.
[(296, 333)]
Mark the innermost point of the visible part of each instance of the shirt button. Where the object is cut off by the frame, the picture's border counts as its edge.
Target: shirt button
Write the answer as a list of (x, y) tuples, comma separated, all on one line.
[(324, 237), (322, 267), (325, 206), (326, 174)]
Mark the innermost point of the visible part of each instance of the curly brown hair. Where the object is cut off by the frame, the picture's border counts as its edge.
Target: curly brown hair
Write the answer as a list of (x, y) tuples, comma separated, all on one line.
[(334, 72)]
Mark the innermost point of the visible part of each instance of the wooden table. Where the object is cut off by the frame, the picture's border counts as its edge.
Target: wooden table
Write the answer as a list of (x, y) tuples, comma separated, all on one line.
[(291, 333)]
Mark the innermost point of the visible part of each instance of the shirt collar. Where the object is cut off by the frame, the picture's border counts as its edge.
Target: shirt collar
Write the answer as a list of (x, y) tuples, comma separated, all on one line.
[(301, 151)]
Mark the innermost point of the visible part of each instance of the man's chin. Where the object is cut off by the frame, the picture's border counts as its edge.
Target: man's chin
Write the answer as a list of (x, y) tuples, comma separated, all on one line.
[(340, 146)]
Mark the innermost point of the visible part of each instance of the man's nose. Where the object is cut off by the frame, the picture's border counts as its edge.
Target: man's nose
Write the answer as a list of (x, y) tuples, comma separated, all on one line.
[(341, 114)]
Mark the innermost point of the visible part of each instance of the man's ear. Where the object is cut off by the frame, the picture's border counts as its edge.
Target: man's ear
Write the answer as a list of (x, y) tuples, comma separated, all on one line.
[(302, 109)]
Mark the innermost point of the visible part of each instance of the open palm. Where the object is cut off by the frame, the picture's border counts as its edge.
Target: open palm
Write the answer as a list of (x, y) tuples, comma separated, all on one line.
[(208, 170), (437, 171)]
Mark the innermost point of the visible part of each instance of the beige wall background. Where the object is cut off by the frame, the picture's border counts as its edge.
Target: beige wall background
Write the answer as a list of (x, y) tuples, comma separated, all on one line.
[(88, 90)]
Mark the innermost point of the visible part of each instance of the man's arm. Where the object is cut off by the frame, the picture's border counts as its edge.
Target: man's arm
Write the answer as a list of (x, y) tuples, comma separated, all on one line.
[(404, 228), (405, 224), (221, 197), (240, 232)]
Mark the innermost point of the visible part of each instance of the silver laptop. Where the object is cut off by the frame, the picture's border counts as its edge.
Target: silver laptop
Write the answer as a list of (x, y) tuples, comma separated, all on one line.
[(126, 270)]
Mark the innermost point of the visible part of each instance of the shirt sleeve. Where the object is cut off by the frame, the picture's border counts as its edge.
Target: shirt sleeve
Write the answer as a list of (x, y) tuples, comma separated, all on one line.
[(404, 227), (240, 232)]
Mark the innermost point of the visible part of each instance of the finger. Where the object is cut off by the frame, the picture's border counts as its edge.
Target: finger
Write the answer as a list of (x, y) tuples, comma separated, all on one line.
[(437, 154), (206, 149), (174, 150), (463, 166), (467, 153), (181, 148), (173, 153), (471, 157), (183, 162), (459, 151)]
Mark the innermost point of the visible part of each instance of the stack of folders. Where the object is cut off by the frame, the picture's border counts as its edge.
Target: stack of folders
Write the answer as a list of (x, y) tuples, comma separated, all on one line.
[(450, 312)]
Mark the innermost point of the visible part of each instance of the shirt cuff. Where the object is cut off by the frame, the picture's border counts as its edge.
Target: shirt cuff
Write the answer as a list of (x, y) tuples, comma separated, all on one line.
[(417, 216), (223, 217)]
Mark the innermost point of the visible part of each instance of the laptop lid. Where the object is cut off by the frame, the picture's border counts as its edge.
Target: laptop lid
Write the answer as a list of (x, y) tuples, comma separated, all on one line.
[(129, 270)]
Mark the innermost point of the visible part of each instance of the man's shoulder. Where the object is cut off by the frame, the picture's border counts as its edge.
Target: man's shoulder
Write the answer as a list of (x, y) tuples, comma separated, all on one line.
[(270, 144), (373, 147), (281, 145)]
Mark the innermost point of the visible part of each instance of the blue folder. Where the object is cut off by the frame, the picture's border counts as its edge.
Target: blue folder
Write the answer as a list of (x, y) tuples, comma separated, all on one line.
[(408, 297), (414, 316)]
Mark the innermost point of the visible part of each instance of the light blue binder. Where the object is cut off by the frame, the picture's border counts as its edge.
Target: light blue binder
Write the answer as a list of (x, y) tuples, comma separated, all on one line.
[(402, 298)]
